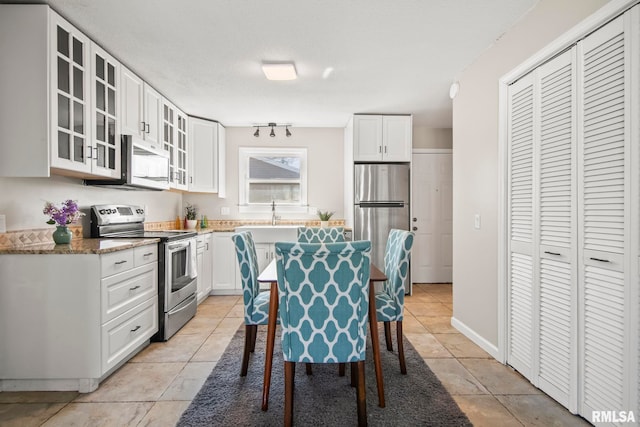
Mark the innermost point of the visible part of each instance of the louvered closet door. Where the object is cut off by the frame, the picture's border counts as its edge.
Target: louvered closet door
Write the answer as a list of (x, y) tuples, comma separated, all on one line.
[(521, 249), (603, 210), (556, 211)]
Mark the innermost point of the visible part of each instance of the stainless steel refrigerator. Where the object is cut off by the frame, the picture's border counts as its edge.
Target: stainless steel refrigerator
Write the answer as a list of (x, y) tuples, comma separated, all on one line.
[(381, 199)]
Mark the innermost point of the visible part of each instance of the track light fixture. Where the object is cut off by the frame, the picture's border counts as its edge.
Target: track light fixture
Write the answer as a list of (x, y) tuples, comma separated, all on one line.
[(272, 125)]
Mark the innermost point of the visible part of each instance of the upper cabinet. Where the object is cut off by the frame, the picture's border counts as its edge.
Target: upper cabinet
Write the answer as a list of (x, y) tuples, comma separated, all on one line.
[(58, 109), (382, 138), (207, 155), (105, 134), (174, 140), (141, 109)]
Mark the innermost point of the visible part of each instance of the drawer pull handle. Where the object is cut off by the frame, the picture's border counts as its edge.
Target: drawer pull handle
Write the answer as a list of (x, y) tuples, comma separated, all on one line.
[(134, 288), (120, 262), (136, 328), (148, 254), (599, 259), (552, 253)]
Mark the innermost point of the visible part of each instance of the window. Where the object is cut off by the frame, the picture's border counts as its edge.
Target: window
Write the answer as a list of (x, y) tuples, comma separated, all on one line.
[(272, 174)]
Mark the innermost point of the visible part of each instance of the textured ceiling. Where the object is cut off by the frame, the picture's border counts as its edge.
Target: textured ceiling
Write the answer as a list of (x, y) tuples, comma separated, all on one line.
[(387, 56)]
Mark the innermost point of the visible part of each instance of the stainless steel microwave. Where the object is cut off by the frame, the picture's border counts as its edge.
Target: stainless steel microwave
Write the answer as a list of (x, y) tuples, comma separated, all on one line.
[(142, 167)]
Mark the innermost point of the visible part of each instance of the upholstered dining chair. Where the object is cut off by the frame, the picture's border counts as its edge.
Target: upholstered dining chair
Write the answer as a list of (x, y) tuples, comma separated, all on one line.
[(323, 293), (390, 300), (320, 234), (256, 303)]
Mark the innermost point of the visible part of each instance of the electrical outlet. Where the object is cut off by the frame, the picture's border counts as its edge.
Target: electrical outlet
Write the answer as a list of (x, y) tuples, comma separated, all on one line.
[(224, 210), (3, 223), (476, 221)]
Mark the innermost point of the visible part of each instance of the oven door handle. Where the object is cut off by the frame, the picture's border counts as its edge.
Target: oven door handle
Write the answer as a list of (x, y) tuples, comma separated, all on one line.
[(177, 246), (183, 305)]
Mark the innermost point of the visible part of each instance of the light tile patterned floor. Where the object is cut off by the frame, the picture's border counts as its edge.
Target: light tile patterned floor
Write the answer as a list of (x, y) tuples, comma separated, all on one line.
[(156, 386)]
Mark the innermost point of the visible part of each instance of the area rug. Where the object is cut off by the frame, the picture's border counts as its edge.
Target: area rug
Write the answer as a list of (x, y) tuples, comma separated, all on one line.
[(323, 398)]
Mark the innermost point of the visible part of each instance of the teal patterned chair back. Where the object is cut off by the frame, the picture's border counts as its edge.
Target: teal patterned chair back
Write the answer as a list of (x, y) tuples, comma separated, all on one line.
[(324, 300), (256, 311), (320, 234), (397, 256)]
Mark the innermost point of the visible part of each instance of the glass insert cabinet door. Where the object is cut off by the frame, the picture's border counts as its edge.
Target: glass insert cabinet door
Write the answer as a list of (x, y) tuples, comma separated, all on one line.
[(104, 149), (69, 83), (180, 168)]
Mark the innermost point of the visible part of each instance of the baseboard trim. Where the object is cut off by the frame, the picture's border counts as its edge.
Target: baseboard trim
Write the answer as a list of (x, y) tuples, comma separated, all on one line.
[(476, 338)]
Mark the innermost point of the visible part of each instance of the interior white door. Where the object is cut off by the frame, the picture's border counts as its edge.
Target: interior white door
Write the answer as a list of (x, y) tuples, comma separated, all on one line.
[(432, 207)]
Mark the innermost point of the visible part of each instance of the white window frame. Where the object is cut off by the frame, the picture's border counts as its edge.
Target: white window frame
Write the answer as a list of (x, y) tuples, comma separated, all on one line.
[(244, 153)]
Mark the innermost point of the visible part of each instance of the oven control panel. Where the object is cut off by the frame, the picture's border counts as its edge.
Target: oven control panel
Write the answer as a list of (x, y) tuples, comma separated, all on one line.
[(117, 214)]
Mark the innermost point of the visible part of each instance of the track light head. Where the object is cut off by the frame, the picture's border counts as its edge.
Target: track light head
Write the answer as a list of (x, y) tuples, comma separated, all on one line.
[(287, 133), (257, 132), (273, 133)]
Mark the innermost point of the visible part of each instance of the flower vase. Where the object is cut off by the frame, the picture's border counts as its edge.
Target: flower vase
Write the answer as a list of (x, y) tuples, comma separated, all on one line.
[(324, 224), (62, 235), (191, 224)]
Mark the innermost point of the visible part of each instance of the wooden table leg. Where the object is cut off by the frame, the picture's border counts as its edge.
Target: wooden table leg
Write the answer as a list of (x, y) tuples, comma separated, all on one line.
[(375, 342), (271, 338)]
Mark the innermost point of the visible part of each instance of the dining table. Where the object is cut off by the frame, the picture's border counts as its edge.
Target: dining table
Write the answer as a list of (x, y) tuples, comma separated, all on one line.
[(270, 276)]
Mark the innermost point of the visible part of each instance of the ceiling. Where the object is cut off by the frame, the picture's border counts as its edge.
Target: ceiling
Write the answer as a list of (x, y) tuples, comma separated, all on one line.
[(352, 56)]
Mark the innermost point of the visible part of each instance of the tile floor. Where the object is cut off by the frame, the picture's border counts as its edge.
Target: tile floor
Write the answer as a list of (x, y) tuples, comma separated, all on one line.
[(157, 385)]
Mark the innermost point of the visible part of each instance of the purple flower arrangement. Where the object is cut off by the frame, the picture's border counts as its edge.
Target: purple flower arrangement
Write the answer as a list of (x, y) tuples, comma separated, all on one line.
[(66, 214)]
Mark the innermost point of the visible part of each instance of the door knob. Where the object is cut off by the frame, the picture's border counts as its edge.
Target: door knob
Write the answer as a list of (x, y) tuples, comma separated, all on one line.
[(415, 228)]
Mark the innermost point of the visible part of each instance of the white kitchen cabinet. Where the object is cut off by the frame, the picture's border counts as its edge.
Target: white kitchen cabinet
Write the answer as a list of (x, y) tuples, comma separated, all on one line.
[(104, 148), (174, 140), (141, 109), (207, 156), (45, 86), (385, 138), (226, 273), (265, 252), (87, 315), (205, 266)]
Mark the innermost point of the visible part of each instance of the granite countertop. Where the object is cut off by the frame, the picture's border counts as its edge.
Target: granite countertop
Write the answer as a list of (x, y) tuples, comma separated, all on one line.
[(77, 246)]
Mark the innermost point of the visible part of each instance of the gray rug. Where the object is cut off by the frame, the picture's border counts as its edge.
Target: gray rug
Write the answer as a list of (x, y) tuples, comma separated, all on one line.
[(324, 398)]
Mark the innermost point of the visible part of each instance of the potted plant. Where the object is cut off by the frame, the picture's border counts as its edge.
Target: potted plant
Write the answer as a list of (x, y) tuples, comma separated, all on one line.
[(191, 214), (62, 216), (324, 218)]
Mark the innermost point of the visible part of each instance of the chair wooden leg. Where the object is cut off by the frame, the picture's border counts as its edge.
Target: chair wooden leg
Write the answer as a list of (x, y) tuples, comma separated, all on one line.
[(308, 368), (361, 393), (354, 375), (247, 349), (341, 369), (254, 335), (403, 365), (387, 335), (289, 373)]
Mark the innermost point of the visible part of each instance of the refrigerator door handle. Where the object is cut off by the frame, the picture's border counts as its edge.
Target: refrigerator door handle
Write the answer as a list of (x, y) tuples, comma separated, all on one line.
[(381, 204)]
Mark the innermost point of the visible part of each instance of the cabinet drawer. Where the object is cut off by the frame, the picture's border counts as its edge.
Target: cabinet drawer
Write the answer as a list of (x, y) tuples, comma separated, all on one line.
[(145, 254), (116, 262), (126, 332), (200, 242), (121, 292)]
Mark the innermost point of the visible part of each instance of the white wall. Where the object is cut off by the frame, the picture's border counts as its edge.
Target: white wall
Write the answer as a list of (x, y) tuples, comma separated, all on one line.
[(325, 157), (425, 137), (22, 200), (475, 159)]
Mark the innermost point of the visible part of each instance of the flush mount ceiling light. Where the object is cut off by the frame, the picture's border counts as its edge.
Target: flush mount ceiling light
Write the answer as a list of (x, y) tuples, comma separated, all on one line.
[(279, 70), (272, 125)]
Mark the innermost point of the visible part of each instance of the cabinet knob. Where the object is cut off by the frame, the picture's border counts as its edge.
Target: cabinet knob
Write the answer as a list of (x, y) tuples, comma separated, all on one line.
[(415, 228), (415, 219)]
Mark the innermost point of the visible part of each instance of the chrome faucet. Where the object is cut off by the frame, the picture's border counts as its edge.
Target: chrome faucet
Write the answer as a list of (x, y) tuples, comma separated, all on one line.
[(273, 212)]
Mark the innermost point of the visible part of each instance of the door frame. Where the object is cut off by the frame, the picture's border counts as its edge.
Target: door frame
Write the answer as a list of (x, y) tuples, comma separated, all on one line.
[(570, 37)]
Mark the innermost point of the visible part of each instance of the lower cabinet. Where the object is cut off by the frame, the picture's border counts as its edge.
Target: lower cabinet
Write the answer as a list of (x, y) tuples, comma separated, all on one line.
[(203, 258), (226, 275), (265, 252), (71, 320)]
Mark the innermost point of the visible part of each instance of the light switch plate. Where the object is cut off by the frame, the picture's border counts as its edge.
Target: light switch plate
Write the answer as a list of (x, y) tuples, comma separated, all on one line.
[(224, 210), (476, 221), (3, 223)]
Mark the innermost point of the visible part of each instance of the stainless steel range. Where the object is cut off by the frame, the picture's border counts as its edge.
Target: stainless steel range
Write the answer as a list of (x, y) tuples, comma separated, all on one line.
[(176, 262)]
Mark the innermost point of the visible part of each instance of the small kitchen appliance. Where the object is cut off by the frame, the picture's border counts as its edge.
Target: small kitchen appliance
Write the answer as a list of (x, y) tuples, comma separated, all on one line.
[(176, 262)]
